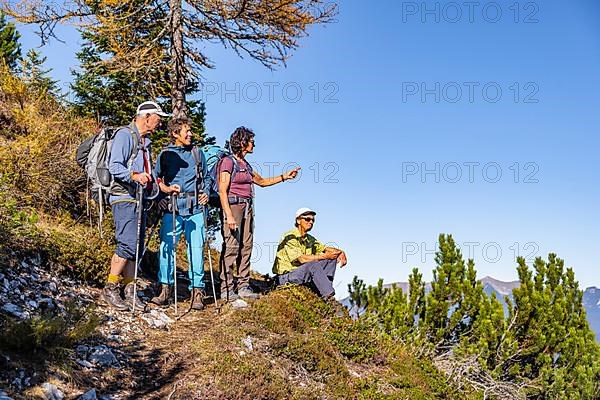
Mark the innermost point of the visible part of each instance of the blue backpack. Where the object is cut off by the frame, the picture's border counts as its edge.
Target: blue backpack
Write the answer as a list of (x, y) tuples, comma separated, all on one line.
[(214, 155)]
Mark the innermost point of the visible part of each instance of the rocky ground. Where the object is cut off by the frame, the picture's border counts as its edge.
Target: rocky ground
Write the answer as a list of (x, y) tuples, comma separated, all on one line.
[(122, 359)]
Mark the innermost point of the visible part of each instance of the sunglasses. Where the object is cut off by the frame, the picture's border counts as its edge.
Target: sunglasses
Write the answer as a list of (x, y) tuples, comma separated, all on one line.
[(308, 219)]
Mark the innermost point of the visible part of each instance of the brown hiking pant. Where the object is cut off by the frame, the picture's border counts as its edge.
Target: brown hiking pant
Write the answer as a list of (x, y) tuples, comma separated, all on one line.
[(237, 248)]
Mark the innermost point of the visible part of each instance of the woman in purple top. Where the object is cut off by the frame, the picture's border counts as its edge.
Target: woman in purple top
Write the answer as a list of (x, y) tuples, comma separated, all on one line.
[(237, 215)]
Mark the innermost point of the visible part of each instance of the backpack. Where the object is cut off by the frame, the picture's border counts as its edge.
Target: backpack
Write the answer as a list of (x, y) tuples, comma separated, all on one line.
[(214, 155), (93, 156)]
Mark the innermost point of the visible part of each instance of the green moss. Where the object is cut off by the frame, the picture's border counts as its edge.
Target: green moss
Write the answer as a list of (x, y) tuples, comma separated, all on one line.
[(313, 353), (369, 389), (419, 378), (354, 339)]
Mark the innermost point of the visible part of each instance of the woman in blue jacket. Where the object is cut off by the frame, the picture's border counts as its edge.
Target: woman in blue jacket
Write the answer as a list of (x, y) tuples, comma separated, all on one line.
[(180, 168)]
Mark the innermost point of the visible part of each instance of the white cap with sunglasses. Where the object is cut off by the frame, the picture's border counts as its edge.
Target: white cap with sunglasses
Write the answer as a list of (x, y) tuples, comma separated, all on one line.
[(307, 211), (304, 210)]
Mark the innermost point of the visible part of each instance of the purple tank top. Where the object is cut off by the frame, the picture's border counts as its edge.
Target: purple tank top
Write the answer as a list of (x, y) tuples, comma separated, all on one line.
[(241, 185)]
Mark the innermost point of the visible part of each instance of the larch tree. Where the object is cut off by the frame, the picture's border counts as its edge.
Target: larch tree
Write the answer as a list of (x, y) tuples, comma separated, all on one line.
[(265, 30)]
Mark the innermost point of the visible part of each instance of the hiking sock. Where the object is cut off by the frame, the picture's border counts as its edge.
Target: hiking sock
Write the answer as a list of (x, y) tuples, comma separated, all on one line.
[(127, 281), (113, 278)]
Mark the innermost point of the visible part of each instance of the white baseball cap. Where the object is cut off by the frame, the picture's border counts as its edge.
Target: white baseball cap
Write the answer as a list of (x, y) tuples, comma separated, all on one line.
[(304, 210), (150, 107)]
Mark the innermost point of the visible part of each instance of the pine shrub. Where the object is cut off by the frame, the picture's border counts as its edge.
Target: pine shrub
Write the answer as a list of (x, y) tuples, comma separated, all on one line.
[(543, 345)]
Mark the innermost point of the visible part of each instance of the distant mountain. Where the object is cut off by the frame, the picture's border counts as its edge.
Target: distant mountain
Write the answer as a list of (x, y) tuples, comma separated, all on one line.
[(591, 302), (499, 287), (591, 298)]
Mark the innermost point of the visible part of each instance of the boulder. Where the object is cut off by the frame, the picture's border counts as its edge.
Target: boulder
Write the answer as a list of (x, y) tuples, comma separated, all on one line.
[(102, 356), (51, 392)]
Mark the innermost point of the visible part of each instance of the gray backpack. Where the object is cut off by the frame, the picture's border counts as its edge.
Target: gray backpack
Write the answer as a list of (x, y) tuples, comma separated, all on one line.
[(93, 156)]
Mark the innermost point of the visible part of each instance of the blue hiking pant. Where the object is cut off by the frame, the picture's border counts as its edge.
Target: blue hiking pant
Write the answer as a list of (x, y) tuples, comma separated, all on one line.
[(192, 226), (320, 274), (125, 218)]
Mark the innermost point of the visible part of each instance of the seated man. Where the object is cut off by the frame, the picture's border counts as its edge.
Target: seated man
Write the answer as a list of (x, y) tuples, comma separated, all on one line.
[(302, 259)]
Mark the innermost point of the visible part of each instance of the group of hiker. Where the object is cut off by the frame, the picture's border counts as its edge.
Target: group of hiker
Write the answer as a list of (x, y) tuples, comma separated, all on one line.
[(180, 182)]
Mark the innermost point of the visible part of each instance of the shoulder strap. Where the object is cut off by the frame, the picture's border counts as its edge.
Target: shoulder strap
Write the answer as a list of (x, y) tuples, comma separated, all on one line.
[(136, 145), (249, 167), (236, 166), (198, 161), (251, 177), (199, 177)]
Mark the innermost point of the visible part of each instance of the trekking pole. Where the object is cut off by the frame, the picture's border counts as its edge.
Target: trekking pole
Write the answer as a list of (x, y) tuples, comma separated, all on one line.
[(152, 232), (212, 278), (101, 217), (173, 206), (140, 195), (191, 273)]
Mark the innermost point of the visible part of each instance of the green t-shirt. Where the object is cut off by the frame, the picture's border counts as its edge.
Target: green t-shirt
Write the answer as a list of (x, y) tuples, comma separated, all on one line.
[(292, 246)]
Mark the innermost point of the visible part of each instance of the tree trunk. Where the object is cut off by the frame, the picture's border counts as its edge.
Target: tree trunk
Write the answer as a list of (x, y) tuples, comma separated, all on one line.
[(178, 77)]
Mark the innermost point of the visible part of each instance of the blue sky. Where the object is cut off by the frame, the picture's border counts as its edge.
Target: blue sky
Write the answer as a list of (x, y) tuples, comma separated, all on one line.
[(417, 118)]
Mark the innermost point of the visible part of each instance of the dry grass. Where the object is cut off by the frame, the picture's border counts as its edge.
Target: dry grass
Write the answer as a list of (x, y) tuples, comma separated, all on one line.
[(37, 148)]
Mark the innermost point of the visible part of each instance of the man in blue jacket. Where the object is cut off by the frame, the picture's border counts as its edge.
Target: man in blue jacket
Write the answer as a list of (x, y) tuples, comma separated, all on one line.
[(130, 164), (180, 169)]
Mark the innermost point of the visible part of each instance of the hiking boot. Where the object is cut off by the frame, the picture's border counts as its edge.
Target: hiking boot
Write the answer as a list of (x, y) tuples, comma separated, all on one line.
[(129, 295), (247, 293), (229, 295), (111, 294), (166, 291), (197, 298)]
